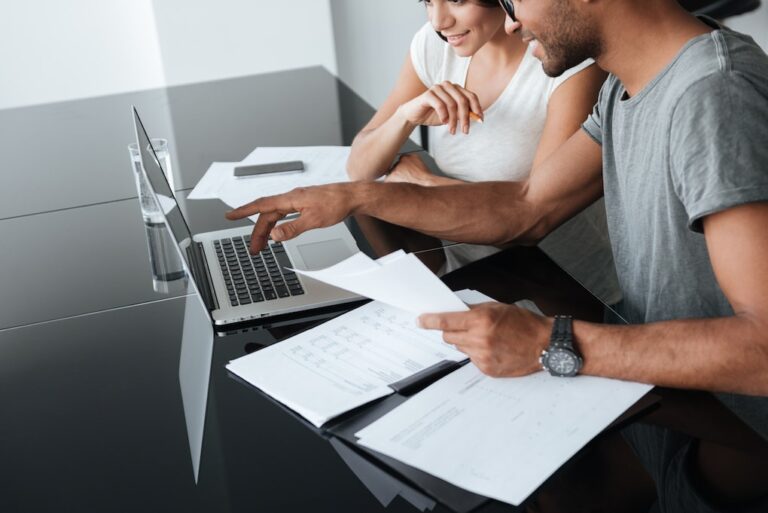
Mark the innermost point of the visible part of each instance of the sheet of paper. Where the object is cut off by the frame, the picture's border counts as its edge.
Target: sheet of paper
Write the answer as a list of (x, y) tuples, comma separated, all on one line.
[(356, 264), (211, 183), (322, 164), (320, 161), (345, 362), (400, 280), (499, 437)]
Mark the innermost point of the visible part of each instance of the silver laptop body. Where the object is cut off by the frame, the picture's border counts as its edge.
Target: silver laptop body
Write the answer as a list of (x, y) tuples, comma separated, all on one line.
[(203, 254)]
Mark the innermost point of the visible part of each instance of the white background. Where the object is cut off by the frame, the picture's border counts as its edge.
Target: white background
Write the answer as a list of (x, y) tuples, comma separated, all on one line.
[(54, 50)]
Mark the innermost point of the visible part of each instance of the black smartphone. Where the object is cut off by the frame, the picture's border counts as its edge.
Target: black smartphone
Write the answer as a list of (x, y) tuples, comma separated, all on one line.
[(265, 169)]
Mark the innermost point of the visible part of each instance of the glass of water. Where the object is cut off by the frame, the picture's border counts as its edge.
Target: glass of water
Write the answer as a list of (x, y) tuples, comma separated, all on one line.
[(166, 265), (149, 208)]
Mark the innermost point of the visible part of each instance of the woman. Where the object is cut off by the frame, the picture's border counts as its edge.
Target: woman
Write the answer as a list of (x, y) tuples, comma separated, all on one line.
[(493, 115)]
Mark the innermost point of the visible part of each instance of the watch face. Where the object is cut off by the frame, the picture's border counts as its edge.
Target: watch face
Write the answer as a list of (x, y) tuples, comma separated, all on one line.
[(561, 363)]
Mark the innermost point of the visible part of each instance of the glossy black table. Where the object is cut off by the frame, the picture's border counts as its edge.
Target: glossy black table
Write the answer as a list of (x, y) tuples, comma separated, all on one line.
[(92, 349)]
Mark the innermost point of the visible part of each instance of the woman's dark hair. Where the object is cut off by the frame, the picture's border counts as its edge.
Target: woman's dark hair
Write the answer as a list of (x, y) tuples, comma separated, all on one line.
[(484, 3)]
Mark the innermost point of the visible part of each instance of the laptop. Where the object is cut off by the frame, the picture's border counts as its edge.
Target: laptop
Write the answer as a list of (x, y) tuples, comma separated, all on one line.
[(235, 285)]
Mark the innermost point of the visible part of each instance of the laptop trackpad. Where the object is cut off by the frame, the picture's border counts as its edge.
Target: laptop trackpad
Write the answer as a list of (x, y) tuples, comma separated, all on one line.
[(319, 255)]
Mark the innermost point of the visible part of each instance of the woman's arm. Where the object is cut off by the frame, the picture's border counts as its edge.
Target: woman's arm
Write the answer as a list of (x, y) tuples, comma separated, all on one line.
[(409, 104), (378, 142), (568, 108)]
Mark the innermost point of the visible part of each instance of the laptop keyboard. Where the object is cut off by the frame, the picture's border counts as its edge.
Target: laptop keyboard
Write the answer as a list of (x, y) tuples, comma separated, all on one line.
[(255, 278)]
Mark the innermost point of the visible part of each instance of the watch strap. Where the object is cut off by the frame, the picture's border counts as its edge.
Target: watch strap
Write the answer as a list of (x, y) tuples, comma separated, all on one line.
[(562, 332)]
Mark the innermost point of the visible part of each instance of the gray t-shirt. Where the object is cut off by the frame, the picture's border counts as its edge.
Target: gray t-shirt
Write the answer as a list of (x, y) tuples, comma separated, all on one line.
[(693, 142)]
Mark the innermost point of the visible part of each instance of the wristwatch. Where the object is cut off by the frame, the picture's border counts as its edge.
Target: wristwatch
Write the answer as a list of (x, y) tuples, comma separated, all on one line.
[(561, 359)]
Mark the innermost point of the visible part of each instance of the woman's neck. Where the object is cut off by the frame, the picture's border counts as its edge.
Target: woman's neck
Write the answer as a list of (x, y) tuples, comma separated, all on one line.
[(502, 51), (493, 66)]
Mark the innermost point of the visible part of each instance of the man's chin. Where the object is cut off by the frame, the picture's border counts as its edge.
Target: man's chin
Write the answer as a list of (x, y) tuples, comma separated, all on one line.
[(553, 68)]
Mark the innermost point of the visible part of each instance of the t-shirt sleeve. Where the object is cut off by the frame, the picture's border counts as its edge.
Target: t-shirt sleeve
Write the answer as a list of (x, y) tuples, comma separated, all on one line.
[(427, 55), (718, 154), (558, 81), (593, 126)]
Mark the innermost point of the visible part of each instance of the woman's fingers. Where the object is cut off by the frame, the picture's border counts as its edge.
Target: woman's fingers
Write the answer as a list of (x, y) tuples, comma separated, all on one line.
[(454, 105), (474, 104), (436, 104), (462, 104), (450, 105)]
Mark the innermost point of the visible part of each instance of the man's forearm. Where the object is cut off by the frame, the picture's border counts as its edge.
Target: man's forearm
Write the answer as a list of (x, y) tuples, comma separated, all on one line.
[(727, 354), (482, 213)]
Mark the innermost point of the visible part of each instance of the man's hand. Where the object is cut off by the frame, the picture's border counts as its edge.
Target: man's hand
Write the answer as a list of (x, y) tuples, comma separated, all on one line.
[(501, 340), (318, 207)]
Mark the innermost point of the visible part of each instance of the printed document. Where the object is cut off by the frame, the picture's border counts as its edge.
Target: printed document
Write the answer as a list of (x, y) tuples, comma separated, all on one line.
[(349, 361), (344, 363), (499, 437)]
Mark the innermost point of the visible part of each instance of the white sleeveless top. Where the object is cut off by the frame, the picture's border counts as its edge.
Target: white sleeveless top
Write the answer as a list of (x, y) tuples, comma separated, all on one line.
[(503, 148)]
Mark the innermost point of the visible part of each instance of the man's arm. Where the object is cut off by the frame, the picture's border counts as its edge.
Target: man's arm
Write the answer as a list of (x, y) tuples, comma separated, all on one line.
[(486, 213), (726, 354)]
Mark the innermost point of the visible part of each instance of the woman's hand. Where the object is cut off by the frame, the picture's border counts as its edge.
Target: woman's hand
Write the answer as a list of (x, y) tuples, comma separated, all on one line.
[(443, 104), (411, 169)]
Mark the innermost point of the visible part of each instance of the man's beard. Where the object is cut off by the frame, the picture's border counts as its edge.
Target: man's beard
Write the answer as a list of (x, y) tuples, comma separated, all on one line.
[(569, 42)]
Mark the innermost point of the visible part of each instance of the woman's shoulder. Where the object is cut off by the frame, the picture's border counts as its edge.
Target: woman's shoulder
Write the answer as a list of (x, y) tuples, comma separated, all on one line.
[(426, 37), (533, 72), (571, 72), (428, 54)]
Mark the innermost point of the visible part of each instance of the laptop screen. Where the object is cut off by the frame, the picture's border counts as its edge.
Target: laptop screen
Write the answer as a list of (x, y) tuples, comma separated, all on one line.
[(158, 182)]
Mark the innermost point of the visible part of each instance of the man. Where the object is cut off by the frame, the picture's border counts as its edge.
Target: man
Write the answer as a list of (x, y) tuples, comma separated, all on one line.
[(677, 143)]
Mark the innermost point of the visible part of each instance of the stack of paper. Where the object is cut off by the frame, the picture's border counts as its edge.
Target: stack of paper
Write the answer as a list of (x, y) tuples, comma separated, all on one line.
[(322, 164), (346, 362), (499, 437)]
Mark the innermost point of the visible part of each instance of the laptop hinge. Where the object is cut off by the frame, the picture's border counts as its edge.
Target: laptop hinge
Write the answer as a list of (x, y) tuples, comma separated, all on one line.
[(201, 275)]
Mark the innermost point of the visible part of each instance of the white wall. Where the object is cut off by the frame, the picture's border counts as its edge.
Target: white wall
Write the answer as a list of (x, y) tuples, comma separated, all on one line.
[(211, 39), (53, 50), (372, 41)]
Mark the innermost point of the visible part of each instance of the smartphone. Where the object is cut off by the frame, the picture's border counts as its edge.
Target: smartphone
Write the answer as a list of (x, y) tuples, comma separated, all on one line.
[(265, 169)]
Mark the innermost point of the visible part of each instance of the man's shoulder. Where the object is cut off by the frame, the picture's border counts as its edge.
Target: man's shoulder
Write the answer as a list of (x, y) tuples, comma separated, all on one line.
[(723, 71), (741, 51), (611, 90), (721, 60)]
